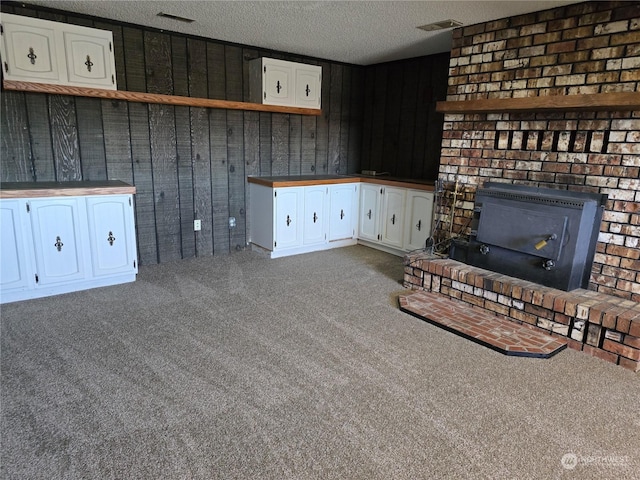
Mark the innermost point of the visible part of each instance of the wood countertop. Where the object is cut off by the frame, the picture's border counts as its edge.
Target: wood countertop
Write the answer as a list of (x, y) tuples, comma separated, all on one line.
[(307, 180), (64, 189)]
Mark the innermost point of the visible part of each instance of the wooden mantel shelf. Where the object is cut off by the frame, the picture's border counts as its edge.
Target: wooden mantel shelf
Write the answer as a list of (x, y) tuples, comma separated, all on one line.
[(551, 103), (142, 97)]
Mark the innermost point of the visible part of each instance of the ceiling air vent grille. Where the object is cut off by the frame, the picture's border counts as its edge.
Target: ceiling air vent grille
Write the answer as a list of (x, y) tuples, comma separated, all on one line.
[(440, 25)]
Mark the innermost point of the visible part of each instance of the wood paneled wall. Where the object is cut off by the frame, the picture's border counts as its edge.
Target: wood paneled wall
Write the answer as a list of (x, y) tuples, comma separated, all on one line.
[(402, 132), (192, 163)]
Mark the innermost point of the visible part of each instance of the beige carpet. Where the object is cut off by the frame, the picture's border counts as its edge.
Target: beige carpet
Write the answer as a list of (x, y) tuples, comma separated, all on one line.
[(241, 367)]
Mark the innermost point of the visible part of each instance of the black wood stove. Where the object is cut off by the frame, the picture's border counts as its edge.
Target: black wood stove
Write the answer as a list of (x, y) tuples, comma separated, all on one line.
[(542, 235)]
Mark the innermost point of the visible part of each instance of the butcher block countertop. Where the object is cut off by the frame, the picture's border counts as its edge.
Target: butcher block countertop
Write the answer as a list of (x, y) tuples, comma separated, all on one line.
[(307, 180), (64, 189)]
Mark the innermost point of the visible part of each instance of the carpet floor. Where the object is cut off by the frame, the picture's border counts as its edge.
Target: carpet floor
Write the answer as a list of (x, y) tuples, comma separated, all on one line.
[(243, 367)]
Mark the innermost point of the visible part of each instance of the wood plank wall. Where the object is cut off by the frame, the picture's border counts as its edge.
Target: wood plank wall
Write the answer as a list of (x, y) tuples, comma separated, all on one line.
[(402, 132), (192, 163)]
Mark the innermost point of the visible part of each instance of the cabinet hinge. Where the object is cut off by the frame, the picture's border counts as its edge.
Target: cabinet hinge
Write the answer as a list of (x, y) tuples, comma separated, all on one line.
[(134, 264), (130, 201), (275, 194), (1, 29), (37, 279), (265, 95), (6, 67), (113, 79), (275, 244), (28, 208), (110, 47), (265, 69)]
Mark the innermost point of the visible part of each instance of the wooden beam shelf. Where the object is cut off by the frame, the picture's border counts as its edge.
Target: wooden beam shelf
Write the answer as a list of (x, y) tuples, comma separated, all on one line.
[(553, 103), (142, 97)]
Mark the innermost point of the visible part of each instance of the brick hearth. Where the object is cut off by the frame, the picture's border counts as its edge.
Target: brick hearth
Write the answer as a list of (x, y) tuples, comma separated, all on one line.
[(602, 325), (481, 326)]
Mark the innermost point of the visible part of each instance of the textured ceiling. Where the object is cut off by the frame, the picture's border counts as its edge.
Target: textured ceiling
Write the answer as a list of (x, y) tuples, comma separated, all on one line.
[(357, 32)]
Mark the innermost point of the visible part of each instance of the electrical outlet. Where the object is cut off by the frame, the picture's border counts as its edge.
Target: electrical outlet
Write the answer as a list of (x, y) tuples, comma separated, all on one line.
[(232, 222), (197, 225)]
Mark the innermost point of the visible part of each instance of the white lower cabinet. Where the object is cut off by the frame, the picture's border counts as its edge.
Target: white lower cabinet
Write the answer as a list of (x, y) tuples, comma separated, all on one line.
[(59, 241), (342, 211), (289, 217), (15, 263), (300, 219), (394, 219), (393, 216), (369, 215), (315, 215), (418, 218), (53, 245), (292, 220), (111, 234)]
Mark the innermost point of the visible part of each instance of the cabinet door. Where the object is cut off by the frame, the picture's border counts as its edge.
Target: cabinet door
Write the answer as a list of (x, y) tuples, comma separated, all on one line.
[(418, 215), (89, 57), (29, 49), (369, 212), (111, 234), (288, 217), (392, 216), (278, 82), (58, 241), (314, 214), (341, 211), (14, 270), (308, 82)]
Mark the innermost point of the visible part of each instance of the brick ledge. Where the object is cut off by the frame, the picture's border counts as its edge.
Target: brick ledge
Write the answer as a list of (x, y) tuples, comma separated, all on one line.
[(601, 325)]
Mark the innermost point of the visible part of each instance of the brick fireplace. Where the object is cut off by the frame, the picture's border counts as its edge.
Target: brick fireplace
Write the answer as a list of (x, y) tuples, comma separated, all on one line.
[(581, 49), (587, 48)]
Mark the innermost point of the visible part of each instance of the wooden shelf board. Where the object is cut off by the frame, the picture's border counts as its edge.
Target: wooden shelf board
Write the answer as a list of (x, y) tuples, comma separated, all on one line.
[(64, 189), (617, 101), (142, 97)]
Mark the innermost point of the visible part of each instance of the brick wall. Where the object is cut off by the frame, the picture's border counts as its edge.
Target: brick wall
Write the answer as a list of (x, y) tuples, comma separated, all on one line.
[(585, 48)]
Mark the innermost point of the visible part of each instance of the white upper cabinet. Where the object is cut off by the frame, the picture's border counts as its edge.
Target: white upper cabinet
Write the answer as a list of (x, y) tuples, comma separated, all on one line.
[(35, 50), (29, 49), (90, 60), (308, 86), (278, 82)]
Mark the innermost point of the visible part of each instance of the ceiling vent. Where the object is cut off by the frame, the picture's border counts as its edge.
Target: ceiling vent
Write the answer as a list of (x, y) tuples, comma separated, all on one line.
[(176, 17), (440, 25)]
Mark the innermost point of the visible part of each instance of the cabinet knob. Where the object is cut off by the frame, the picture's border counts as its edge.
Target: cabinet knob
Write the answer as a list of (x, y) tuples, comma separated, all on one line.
[(315, 217), (88, 63), (278, 86), (419, 225), (288, 220), (369, 214), (58, 244), (393, 219), (307, 90), (32, 56), (341, 214), (111, 238)]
